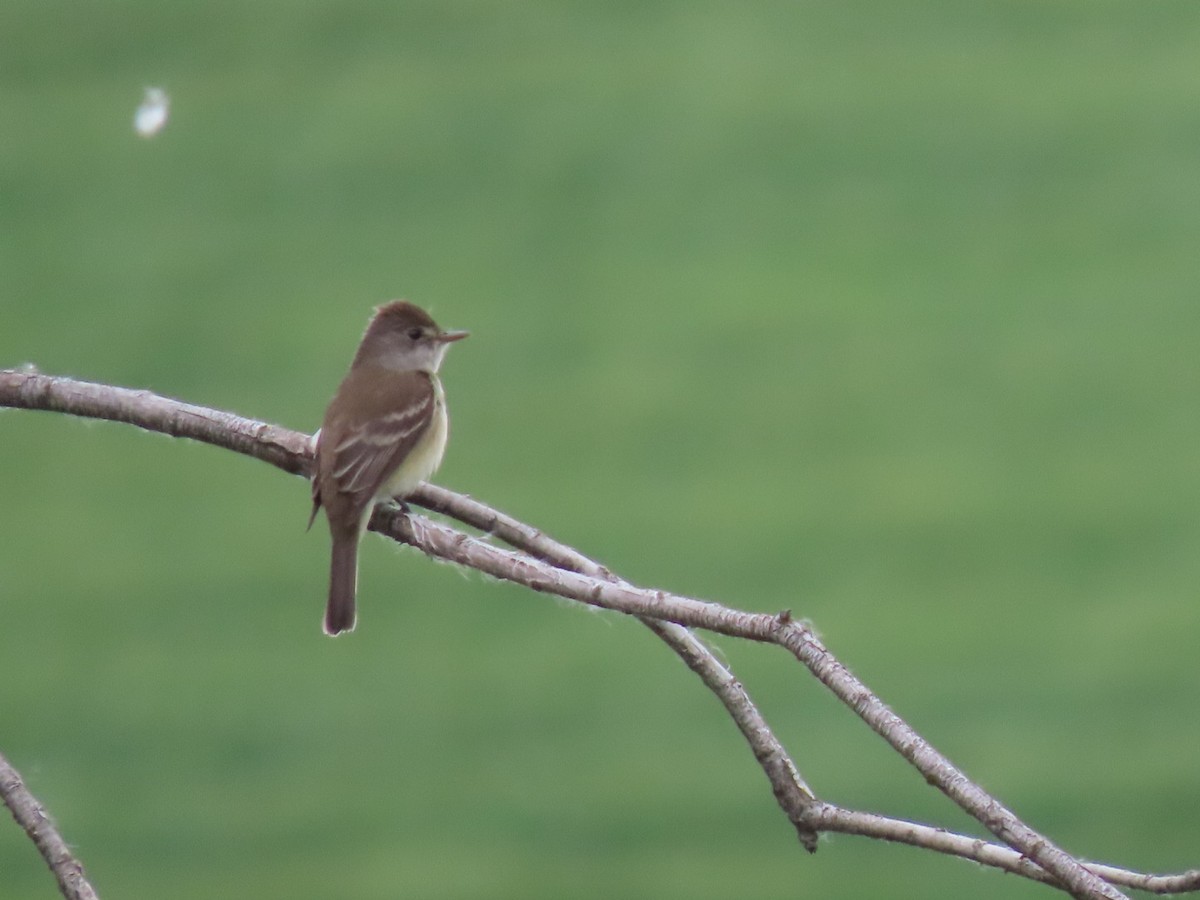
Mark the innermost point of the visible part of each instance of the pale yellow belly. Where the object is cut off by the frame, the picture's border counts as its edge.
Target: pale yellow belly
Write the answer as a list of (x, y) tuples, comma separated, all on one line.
[(424, 458)]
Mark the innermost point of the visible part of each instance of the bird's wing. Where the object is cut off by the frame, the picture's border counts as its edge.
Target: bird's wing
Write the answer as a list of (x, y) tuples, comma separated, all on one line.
[(359, 457)]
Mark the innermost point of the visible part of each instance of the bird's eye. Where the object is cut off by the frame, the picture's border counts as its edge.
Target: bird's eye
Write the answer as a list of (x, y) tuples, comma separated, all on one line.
[(415, 333)]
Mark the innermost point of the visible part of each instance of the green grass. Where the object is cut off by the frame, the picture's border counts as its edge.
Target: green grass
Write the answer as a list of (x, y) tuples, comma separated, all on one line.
[(883, 314)]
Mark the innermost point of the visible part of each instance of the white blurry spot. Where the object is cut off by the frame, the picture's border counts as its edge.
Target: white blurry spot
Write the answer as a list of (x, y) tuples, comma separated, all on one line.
[(151, 116)]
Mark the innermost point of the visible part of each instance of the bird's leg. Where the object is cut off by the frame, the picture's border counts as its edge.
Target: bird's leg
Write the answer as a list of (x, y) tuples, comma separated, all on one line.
[(404, 507)]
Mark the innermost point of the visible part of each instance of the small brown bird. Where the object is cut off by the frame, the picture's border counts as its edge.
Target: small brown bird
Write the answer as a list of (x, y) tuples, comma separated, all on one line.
[(384, 433)]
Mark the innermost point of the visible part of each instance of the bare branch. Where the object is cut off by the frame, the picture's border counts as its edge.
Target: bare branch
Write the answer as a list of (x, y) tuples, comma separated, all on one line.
[(281, 447), (455, 546), (792, 794), (827, 817), (551, 567), (32, 817)]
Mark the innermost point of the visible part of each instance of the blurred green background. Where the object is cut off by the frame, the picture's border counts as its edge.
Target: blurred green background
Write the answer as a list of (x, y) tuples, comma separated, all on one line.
[(884, 313)]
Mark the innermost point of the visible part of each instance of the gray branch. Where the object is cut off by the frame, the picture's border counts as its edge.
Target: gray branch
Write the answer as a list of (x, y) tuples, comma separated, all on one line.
[(545, 565), (33, 818)]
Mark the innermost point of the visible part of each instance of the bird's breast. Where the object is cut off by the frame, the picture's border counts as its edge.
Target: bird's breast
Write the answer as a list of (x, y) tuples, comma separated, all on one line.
[(424, 458)]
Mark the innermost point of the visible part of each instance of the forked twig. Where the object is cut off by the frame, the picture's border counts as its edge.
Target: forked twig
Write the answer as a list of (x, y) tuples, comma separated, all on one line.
[(794, 796)]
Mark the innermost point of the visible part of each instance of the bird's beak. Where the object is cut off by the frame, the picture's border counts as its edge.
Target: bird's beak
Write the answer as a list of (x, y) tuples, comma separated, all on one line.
[(447, 337)]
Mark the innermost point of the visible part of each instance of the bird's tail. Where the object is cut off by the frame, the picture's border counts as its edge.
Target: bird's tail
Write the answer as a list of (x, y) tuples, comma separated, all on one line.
[(343, 583)]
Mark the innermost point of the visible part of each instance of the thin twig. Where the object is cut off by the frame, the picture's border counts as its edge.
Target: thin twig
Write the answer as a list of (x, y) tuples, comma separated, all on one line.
[(32, 817), (827, 817)]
